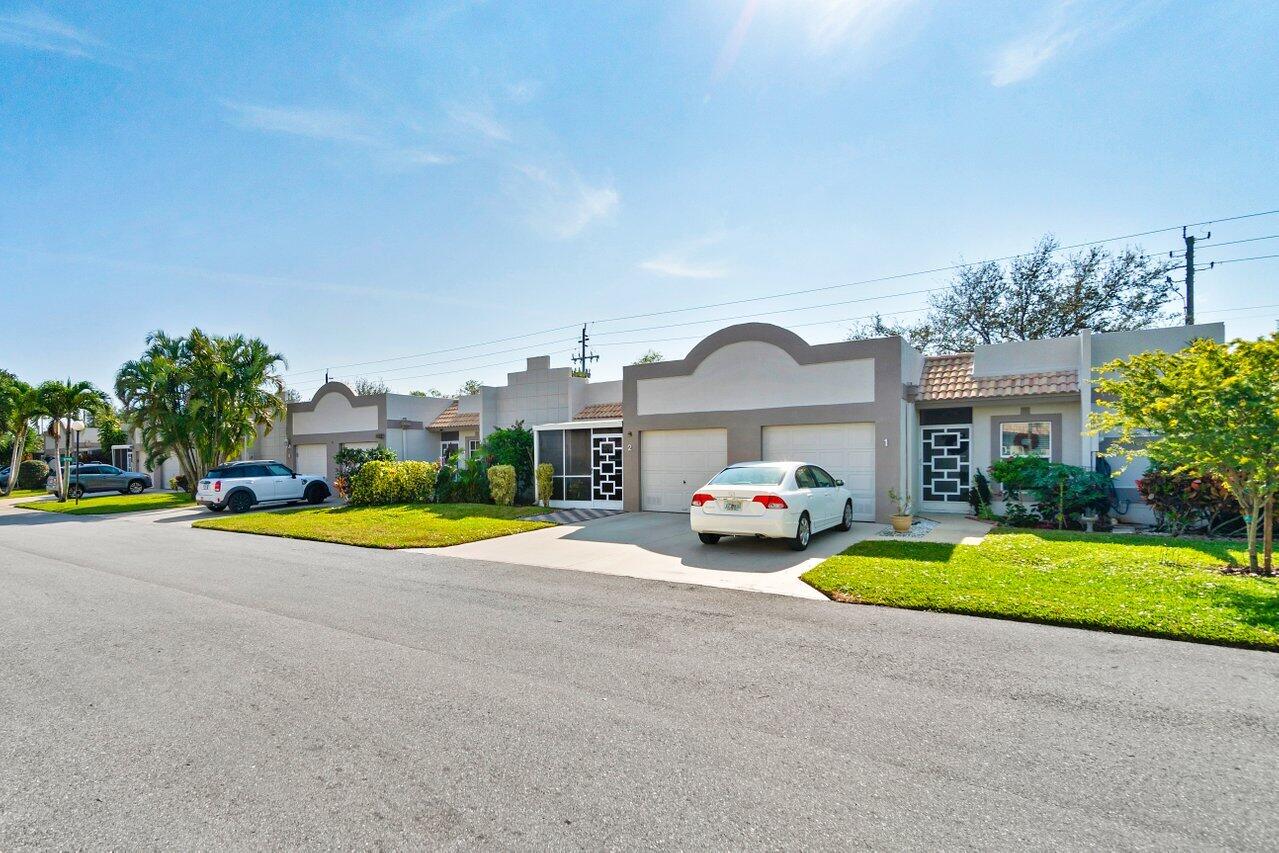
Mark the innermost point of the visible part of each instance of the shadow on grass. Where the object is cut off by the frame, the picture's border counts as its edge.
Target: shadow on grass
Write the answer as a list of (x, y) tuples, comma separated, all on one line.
[(924, 552), (1225, 552), (1251, 606)]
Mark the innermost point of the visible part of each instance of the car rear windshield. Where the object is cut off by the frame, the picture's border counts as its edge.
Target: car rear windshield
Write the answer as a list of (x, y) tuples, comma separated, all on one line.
[(223, 473), (754, 475)]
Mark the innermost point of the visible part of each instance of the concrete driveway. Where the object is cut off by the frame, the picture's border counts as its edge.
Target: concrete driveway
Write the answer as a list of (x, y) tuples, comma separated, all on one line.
[(660, 546)]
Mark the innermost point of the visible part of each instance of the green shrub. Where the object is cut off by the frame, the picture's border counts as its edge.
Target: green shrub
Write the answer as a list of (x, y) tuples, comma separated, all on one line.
[(464, 480), (1016, 473), (545, 480), (979, 497), (417, 480), (32, 474), (502, 484), (180, 483), (376, 482), (514, 446), (348, 460), (1018, 515), (1187, 501)]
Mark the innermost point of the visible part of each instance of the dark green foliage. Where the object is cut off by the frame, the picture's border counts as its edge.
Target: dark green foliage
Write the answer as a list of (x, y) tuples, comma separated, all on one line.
[(1019, 515), (1063, 492), (979, 495), (1186, 501), (349, 460), (32, 474), (514, 446)]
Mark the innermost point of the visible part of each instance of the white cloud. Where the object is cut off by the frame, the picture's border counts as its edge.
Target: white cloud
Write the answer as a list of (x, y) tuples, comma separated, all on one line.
[(821, 26), (676, 267), (299, 121), (330, 126), (684, 261), (563, 206), (481, 123), (37, 30), (1022, 58), (1068, 23)]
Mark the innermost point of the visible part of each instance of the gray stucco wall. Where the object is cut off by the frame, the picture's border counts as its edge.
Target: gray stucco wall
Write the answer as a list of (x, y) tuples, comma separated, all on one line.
[(745, 427)]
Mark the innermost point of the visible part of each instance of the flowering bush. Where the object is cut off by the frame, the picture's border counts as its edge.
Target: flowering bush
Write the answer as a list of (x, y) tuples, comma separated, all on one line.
[(348, 460)]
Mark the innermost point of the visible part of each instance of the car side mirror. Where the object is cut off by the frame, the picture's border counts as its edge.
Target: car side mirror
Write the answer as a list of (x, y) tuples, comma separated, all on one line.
[(295, 475), (839, 482)]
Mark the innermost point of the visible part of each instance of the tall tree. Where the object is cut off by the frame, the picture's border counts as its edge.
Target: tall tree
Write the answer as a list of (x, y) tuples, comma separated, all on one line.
[(20, 405), (1209, 409), (64, 402), (363, 386), (469, 387), (201, 398), (1038, 295)]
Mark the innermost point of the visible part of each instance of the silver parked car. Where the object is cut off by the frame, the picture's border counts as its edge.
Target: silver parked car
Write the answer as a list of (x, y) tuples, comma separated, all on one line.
[(97, 477)]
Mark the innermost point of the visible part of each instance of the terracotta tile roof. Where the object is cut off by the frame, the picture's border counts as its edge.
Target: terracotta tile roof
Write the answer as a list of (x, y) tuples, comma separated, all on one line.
[(599, 412), (950, 377), (451, 418)]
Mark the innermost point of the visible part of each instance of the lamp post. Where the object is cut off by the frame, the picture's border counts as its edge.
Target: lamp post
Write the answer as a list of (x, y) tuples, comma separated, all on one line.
[(76, 427)]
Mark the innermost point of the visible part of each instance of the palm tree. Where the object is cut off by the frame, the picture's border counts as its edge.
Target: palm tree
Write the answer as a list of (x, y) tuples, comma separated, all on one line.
[(19, 407), (201, 398), (63, 401)]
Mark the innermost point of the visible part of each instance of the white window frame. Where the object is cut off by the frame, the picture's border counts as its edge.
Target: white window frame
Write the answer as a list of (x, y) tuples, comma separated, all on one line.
[(1045, 450), (448, 448)]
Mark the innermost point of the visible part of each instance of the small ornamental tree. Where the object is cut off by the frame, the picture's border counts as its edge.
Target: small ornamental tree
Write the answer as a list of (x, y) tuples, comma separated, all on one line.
[(1209, 409)]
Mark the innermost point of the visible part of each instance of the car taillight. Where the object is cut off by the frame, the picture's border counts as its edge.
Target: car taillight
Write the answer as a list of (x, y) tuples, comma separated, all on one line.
[(770, 501), (702, 498), (217, 485)]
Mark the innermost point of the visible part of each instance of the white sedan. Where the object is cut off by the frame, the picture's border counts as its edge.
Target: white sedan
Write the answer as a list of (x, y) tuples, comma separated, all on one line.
[(771, 500)]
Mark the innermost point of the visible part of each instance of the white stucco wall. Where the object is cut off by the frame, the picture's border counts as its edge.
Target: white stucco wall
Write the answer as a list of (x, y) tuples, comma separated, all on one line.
[(1070, 440), (1026, 357), (757, 375), (334, 413), (1112, 345)]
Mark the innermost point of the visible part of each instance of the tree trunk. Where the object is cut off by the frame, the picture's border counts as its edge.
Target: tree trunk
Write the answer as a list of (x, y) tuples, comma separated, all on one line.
[(1255, 509), (1268, 541), (15, 460)]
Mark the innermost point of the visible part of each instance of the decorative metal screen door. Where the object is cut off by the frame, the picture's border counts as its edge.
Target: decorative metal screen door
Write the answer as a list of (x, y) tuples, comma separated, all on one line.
[(945, 460), (606, 465)]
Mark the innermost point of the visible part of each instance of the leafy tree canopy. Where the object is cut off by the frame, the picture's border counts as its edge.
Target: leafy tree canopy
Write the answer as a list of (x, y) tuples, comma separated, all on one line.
[(649, 357), (1209, 409), (363, 386), (202, 397), (1038, 295)]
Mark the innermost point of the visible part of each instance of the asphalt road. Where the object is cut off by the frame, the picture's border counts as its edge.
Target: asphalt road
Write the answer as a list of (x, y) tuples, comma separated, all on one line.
[(169, 687)]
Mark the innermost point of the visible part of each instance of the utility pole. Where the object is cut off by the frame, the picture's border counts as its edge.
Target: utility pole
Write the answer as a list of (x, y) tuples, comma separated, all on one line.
[(582, 359), (1190, 272)]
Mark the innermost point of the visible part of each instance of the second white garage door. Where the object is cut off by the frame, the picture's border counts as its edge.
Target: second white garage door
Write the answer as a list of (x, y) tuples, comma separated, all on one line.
[(847, 451), (313, 459), (675, 462)]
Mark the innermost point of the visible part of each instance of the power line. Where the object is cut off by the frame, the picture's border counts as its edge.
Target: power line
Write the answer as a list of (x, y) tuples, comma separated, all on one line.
[(825, 288)]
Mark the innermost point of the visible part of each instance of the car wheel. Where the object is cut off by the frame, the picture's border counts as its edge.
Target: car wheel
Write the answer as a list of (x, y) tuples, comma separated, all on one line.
[(239, 502), (316, 495), (215, 508), (847, 522), (136, 487), (75, 492), (803, 533), (709, 538)]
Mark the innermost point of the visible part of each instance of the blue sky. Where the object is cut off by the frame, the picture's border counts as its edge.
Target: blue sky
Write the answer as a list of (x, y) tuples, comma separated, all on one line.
[(357, 182)]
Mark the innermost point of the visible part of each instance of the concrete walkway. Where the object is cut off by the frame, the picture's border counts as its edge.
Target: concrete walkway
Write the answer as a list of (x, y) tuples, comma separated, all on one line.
[(660, 546)]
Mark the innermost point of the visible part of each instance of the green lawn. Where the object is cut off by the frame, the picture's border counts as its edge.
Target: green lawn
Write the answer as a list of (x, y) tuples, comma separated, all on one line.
[(395, 526), (111, 504), (1159, 587), (26, 493)]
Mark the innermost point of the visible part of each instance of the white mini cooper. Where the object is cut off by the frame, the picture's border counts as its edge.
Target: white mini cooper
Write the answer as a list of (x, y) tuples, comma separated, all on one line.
[(237, 486)]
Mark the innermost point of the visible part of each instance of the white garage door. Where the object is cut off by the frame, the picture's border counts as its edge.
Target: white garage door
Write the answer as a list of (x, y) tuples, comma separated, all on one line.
[(313, 459), (847, 451), (675, 462)]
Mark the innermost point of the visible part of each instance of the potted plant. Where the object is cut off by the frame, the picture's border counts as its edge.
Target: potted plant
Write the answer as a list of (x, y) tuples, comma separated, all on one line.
[(905, 516)]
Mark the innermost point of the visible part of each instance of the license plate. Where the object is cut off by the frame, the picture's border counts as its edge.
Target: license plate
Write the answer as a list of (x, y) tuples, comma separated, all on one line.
[(732, 505)]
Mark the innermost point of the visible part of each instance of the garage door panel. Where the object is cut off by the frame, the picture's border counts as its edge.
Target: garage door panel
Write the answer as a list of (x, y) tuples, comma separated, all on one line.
[(846, 450), (313, 459), (674, 463)]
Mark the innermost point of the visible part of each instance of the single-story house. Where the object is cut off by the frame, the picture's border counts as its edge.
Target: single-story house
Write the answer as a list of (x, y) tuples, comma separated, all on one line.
[(876, 413)]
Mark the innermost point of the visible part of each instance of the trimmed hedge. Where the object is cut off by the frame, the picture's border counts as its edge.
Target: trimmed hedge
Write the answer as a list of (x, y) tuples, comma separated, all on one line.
[(545, 481), (32, 474), (502, 484), (378, 482)]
